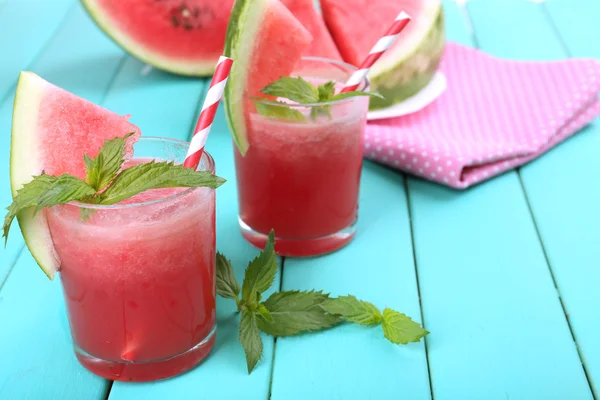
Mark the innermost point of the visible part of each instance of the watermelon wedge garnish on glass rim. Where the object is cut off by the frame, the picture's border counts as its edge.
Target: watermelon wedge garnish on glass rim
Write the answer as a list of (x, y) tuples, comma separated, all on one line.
[(51, 131), (266, 41)]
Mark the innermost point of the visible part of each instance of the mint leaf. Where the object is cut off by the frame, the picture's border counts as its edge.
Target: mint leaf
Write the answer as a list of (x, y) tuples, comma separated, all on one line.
[(283, 112), (354, 310), (46, 191), (263, 312), (346, 95), (400, 329), (102, 169), (295, 89), (260, 273), (294, 312), (326, 91), (155, 175), (227, 286), (250, 339)]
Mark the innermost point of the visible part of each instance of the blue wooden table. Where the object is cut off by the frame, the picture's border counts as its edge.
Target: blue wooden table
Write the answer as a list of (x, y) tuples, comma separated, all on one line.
[(506, 275)]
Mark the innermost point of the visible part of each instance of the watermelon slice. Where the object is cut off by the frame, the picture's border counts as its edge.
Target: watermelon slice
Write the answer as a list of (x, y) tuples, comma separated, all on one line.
[(184, 37), (266, 42), (322, 44), (52, 130), (413, 59)]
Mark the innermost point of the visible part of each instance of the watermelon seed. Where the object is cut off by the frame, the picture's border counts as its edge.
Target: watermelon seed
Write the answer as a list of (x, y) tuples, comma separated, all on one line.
[(191, 17)]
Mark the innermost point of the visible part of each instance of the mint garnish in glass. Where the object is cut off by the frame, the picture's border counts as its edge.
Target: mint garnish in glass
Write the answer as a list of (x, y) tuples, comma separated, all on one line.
[(299, 91)]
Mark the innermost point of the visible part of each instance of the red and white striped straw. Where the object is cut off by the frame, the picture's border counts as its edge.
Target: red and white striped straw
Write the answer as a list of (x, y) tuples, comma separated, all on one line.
[(207, 115), (377, 51)]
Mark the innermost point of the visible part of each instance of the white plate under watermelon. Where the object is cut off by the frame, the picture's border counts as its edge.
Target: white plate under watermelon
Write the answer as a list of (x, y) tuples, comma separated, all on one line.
[(435, 88)]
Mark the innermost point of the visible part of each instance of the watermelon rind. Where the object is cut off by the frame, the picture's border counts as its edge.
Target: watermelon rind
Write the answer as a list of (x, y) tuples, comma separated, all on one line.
[(140, 51), (242, 31), (25, 156), (410, 67)]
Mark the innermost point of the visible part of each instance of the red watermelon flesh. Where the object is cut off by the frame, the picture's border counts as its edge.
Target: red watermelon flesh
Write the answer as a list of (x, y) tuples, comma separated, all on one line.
[(410, 63), (322, 44), (266, 41), (71, 127), (271, 56), (181, 36), (356, 25)]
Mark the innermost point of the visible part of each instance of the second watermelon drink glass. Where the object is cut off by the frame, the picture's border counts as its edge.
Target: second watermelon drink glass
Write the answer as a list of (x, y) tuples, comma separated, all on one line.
[(301, 178)]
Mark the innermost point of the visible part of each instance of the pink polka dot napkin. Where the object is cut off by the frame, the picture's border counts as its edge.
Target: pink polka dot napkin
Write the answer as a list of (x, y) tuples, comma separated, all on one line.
[(495, 115)]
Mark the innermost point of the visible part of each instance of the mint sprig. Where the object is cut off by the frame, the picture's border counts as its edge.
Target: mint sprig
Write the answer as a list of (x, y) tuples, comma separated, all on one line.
[(104, 184), (300, 91), (288, 313)]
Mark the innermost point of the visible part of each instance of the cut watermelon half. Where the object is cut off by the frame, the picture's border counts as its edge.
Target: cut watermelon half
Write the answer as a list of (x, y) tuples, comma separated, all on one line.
[(322, 44), (52, 129), (410, 64), (183, 37), (266, 41)]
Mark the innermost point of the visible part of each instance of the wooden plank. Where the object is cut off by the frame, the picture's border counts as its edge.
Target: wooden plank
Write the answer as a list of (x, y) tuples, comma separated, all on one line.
[(223, 374), (37, 355), (564, 198), (18, 41), (68, 61), (515, 29), (38, 360), (350, 361), (498, 330), (576, 23)]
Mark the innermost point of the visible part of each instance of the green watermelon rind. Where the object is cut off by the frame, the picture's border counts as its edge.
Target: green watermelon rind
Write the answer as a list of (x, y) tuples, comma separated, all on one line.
[(137, 49), (407, 74), (244, 25), (23, 154)]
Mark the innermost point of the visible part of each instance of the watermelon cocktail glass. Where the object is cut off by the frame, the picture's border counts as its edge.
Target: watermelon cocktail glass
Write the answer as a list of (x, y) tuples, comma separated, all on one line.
[(139, 276), (301, 178)]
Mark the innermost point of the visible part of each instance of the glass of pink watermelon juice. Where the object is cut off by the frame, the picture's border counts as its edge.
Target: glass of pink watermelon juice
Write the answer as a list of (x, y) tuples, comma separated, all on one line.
[(139, 276), (301, 178)]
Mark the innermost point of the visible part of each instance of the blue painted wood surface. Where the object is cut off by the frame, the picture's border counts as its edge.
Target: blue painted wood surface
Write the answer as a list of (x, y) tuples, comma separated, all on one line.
[(565, 201), (504, 275)]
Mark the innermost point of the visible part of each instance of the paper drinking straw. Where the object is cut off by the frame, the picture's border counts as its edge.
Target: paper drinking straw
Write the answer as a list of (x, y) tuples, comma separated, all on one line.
[(380, 47), (207, 115)]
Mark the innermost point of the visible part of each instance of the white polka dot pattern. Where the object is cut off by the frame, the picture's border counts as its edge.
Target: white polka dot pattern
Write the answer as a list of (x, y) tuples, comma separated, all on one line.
[(495, 115)]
